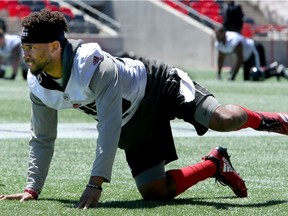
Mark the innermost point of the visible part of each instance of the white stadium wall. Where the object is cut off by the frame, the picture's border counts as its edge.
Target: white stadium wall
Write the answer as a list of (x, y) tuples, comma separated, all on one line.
[(275, 50), (152, 29)]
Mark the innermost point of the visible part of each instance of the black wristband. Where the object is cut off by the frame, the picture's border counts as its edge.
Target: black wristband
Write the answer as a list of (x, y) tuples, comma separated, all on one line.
[(94, 186)]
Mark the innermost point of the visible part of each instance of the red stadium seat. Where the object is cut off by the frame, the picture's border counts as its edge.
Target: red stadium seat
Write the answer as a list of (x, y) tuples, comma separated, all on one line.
[(2, 5), (197, 5), (247, 30), (210, 9), (19, 10), (67, 11), (12, 10), (11, 3), (217, 18), (23, 11), (52, 7)]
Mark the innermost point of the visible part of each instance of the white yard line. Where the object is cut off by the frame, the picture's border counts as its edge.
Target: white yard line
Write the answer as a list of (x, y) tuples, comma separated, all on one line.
[(88, 130)]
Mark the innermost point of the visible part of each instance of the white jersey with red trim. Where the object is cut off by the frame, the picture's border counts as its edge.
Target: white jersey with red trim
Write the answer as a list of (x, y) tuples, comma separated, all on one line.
[(77, 93)]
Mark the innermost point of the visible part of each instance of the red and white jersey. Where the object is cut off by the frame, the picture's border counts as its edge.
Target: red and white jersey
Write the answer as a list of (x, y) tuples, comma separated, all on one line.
[(131, 77), (98, 84), (76, 91)]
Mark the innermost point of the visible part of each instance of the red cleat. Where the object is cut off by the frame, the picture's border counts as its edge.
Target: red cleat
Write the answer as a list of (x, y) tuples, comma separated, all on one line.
[(274, 122), (226, 174)]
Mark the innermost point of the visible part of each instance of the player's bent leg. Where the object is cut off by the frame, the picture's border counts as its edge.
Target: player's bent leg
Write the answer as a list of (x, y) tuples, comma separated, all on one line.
[(175, 182), (211, 114), (234, 117)]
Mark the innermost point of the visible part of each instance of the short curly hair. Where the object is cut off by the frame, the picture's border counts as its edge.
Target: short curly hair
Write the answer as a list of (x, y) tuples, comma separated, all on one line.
[(46, 20)]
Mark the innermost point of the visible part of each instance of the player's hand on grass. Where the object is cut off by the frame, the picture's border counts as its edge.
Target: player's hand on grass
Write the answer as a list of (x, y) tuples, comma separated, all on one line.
[(89, 198), (19, 196)]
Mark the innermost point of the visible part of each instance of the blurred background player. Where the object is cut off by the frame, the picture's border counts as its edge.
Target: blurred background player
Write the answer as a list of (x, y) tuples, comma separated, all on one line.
[(10, 53), (246, 56)]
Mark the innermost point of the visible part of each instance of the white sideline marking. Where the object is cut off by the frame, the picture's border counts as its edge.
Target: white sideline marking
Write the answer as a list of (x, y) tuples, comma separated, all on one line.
[(88, 130)]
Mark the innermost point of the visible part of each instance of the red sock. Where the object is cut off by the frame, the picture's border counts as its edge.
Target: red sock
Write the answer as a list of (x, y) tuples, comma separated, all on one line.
[(253, 121), (191, 175)]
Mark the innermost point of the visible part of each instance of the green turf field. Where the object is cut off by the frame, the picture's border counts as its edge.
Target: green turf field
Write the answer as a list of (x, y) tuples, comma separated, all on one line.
[(261, 160)]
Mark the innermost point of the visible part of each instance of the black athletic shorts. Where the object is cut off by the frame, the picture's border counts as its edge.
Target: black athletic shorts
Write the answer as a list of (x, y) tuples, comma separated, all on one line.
[(147, 138)]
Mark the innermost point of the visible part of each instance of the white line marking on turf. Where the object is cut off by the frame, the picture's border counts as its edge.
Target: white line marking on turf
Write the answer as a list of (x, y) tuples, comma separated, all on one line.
[(88, 130)]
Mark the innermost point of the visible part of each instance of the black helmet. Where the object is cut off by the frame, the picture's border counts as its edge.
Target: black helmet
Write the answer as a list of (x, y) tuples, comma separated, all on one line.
[(256, 74)]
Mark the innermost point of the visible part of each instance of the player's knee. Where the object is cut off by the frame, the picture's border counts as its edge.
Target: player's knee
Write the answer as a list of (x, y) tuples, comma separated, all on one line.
[(156, 190), (154, 195)]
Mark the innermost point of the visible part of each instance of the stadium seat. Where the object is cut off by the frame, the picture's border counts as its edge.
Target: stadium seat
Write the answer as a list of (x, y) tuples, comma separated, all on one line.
[(2, 5), (217, 18), (196, 5), (79, 17), (55, 3), (11, 7), (67, 11), (11, 3), (247, 30), (19, 10), (205, 5), (249, 20), (209, 12), (23, 10), (26, 2), (76, 26), (92, 28), (38, 6), (210, 9), (52, 7)]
